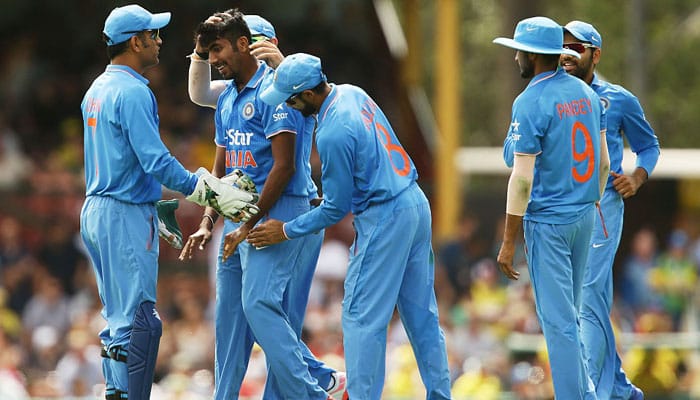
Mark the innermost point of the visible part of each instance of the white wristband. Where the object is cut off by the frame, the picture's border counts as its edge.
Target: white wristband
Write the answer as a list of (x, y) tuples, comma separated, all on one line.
[(284, 233)]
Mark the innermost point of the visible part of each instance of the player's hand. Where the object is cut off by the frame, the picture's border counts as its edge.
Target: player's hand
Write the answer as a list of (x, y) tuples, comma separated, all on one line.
[(505, 261), (267, 233), (197, 42), (213, 19), (197, 239), (233, 239), (265, 50), (198, 48), (626, 185)]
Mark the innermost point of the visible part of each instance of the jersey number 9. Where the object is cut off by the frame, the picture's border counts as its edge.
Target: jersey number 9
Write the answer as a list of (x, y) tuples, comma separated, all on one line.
[(586, 156)]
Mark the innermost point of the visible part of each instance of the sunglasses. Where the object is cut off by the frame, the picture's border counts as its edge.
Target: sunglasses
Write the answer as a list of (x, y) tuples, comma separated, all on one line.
[(579, 47), (152, 33), (258, 38)]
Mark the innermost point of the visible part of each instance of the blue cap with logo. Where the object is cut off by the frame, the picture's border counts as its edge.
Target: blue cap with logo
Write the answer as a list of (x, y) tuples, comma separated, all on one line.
[(584, 32), (124, 22), (259, 26), (539, 35), (296, 73)]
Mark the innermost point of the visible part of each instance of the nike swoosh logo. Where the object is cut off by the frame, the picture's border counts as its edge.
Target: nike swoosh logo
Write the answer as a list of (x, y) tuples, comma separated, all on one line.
[(295, 87), (530, 28), (596, 245)]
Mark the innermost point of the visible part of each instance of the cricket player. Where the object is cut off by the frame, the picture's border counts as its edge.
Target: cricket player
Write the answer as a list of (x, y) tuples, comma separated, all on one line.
[(270, 145), (625, 117), (366, 171), (202, 89), (205, 92), (559, 171), (125, 165)]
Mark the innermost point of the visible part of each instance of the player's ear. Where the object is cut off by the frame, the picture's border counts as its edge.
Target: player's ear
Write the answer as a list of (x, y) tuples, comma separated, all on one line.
[(596, 56), (242, 44), (136, 43)]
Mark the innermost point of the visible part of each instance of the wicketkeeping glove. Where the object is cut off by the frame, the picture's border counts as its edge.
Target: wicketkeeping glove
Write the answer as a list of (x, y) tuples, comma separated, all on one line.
[(229, 201), (168, 228), (240, 180)]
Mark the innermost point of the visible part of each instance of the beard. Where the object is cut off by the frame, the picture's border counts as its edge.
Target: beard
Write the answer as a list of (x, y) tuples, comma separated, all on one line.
[(527, 67), (307, 110), (527, 71), (579, 68)]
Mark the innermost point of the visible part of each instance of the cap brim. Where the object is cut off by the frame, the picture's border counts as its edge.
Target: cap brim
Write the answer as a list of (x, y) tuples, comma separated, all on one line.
[(159, 20), (273, 97), (508, 42)]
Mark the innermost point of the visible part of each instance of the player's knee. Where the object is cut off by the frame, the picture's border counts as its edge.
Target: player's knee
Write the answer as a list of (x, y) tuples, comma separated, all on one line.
[(143, 350), (257, 307), (148, 320)]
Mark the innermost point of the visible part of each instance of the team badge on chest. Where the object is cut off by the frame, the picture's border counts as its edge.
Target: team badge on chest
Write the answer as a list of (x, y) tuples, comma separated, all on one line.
[(248, 110)]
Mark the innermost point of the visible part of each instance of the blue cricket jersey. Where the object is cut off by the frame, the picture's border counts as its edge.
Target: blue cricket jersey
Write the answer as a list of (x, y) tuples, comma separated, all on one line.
[(362, 161), (558, 118), (625, 116), (245, 124), (125, 157)]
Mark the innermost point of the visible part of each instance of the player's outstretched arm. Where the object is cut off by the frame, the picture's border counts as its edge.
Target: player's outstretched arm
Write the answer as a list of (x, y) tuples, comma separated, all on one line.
[(267, 233), (202, 89)]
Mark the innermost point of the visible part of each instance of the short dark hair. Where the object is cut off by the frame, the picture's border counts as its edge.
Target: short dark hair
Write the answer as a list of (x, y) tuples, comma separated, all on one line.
[(230, 28), (119, 48)]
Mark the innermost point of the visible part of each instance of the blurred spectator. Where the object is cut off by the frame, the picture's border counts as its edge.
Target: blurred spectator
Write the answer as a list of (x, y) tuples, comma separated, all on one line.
[(634, 286), (10, 323), (529, 380), (60, 254), (654, 370), (476, 382), (674, 277), (48, 306), (403, 379), (46, 349), (16, 264), (79, 370), (476, 340), (456, 255), (327, 283), (12, 381), (193, 334), (14, 165), (488, 296)]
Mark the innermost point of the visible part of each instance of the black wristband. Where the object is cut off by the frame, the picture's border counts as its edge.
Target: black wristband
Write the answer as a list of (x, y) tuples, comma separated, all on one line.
[(203, 56)]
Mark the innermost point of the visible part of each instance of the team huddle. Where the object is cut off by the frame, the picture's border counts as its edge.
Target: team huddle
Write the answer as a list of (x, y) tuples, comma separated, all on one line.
[(269, 110)]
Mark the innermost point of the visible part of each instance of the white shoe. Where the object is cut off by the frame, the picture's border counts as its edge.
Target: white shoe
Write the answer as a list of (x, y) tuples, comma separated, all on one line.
[(338, 387)]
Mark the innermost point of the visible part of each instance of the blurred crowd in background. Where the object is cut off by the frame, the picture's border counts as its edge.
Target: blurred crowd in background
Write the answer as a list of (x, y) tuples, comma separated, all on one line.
[(50, 310)]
